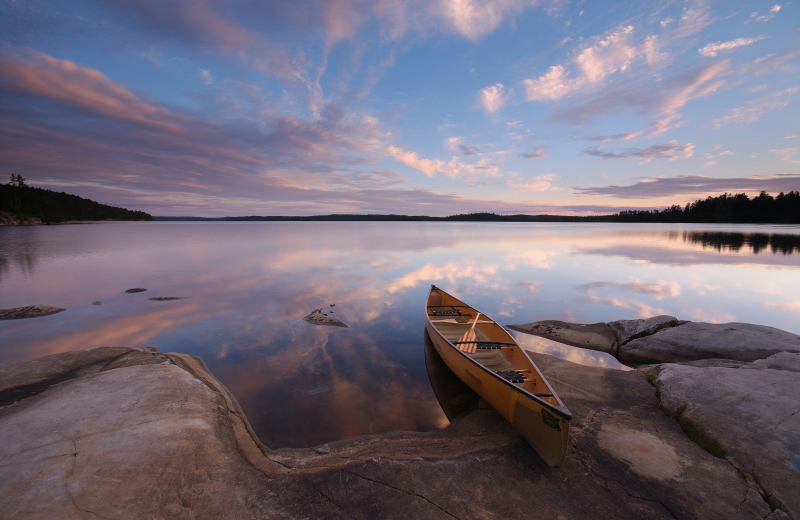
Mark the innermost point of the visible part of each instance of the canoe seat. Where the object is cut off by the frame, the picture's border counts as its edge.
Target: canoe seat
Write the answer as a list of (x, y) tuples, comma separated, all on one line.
[(446, 312), (511, 375)]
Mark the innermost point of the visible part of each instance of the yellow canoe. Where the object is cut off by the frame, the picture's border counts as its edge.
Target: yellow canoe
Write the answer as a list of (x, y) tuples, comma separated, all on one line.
[(500, 372)]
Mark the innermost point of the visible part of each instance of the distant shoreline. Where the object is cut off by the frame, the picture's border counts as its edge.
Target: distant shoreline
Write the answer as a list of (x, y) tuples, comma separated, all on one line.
[(474, 217)]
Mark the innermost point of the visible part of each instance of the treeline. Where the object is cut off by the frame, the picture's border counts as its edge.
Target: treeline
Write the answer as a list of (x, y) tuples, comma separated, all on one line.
[(726, 208), (53, 207)]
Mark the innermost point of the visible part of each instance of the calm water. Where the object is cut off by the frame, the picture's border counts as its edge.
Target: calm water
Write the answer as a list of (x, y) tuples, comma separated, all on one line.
[(249, 285)]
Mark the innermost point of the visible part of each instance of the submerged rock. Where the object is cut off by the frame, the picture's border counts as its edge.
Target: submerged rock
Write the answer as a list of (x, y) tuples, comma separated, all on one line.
[(136, 289), (694, 340), (746, 414), (31, 311), (130, 433), (317, 317), (167, 298)]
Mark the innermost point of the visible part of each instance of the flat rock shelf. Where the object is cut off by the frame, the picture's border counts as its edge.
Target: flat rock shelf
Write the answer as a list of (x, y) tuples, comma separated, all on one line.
[(120, 432)]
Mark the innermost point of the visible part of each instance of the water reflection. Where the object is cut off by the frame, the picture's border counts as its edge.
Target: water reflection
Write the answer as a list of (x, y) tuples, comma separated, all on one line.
[(757, 242), (454, 396), (251, 284), (560, 350)]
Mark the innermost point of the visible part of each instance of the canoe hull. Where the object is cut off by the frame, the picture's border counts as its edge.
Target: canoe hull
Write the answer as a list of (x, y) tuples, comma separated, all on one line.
[(544, 430)]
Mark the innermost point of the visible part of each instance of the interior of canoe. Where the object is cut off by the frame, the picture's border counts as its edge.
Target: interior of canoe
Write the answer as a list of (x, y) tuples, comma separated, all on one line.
[(496, 350)]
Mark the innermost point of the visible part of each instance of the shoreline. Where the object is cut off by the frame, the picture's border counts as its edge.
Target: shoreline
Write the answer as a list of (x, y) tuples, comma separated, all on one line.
[(630, 428)]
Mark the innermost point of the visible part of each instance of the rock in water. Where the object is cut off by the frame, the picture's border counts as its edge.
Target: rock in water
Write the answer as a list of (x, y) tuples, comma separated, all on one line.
[(750, 415), (318, 318), (136, 289), (694, 340), (31, 311), (166, 298), (594, 336)]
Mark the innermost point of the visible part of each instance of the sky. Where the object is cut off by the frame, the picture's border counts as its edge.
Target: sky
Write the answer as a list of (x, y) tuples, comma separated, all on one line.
[(419, 107)]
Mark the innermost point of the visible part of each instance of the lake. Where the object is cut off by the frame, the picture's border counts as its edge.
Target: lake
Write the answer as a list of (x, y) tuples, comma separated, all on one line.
[(246, 287)]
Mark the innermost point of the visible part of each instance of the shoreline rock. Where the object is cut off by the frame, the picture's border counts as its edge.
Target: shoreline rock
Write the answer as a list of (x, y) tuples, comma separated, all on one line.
[(30, 311), (665, 339), (747, 414), (11, 219), (118, 432)]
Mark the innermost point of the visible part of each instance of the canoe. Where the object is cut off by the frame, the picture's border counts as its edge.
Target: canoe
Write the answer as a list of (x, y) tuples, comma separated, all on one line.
[(500, 372)]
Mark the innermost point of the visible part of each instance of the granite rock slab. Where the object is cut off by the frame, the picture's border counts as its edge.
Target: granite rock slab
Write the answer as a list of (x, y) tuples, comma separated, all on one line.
[(747, 414), (128, 433), (628, 330), (696, 340), (592, 336)]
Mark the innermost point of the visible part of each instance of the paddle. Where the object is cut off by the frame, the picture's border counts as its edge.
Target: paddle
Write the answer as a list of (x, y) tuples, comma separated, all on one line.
[(469, 336)]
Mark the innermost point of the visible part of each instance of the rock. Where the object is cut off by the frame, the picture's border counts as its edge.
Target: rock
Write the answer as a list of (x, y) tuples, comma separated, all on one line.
[(595, 336), (97, 303), (749, 415), (136, 434), (693, 341), (324, 449), (136, 289), (31, 311), (167, 298), (317, 317), (10, 219), (628, 330)]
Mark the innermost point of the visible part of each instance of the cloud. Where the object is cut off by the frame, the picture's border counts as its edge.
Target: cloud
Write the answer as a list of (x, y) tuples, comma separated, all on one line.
[(792, 135), (607, 54), (786, 154), (713, 48), (787, 307), (552, 85), (412, 159), (494, 98), (538, 153), (453, 168), (456, 144), (752, 111), (540, 183), (671, 151), (615, 137), (476, 18), (697, 185)]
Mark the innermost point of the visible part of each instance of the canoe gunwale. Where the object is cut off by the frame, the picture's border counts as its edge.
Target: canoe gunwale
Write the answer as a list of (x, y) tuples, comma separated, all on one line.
[(558, 410)]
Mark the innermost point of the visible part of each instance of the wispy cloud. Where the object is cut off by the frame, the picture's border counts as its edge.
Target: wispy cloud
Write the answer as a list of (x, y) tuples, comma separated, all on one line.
[(696, 185), (787, 307), (539, 183), (453, 168), (537, 153), (713, 48), (752, 111), (671, 151)]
